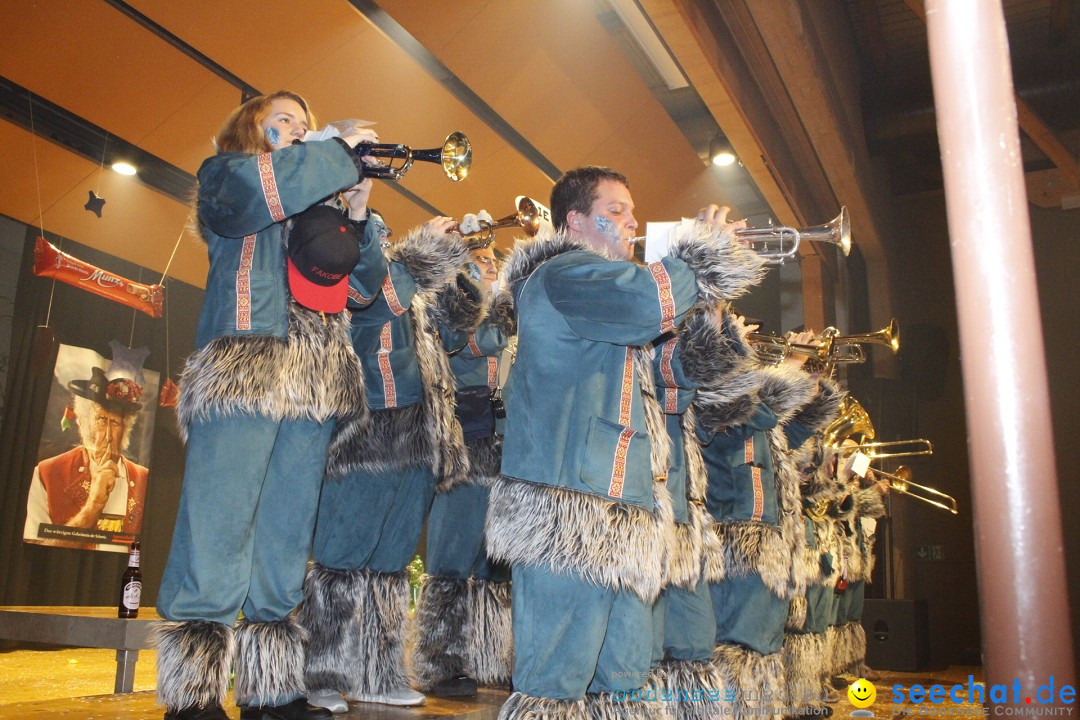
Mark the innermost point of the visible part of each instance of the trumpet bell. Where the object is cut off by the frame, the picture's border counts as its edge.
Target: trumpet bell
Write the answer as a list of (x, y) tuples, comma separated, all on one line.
[(836, 232), (455, 157), (527, 218)]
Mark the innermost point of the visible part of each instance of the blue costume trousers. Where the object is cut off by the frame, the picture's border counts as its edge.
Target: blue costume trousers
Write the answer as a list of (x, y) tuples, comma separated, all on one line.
[(247, 512), (850, 603), (748, 614), (821, 604), (455, 536), (572, 636), (684, 624), (373, 520)]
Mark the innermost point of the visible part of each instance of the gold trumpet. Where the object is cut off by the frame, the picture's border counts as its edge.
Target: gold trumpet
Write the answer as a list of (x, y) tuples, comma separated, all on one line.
[(455, 156), (901, 482), (527, 218), (829, 347), (837, 232)]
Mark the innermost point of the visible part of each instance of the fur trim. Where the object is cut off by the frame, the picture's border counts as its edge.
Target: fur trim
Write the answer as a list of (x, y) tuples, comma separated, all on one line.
[(432, 260), (687, 553), (329, 614), (269, 662), (870, 503), (501, 313), (313, 374), (458, 306), (610, 543), (730, 405), (193, 663), (528, 255), (796, 617), (769, 550), (629, 705), (450, 461), (724, 268), (708, 353), (427, 434), (823, 408), (804, 670), (692, 686), (757, 680), (438, 633), (485, 457), (526, 707), (848, 646), (490, 652), (382, 610), (785, 390), (697, 476)]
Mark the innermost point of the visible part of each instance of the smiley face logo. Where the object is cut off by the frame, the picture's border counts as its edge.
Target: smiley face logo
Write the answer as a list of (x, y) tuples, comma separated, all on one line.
[(862, 693)]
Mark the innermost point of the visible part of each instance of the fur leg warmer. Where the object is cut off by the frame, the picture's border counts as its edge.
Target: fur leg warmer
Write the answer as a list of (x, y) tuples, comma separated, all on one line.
[(383, 613), (849, 647), (757, 680), (439, 632), (490, 652), (269, 662), (804, 670), (526, 707), (193, 663), (329, 614), (621, 706), (693, 689)]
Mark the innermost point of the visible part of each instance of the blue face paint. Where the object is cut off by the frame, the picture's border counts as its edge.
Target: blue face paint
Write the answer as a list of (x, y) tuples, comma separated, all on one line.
[(273, 136), (607, 228), (474, 272)]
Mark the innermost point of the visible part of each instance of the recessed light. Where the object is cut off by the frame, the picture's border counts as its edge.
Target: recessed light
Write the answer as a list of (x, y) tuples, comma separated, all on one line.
[(124, 168)]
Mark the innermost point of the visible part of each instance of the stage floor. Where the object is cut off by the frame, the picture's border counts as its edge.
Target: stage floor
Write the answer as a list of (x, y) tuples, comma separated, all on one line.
[(73, 684)]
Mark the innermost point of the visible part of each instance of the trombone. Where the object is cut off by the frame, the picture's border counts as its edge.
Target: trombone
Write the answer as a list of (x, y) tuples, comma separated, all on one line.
[(892, 448), (837, 232), (527, 218), (901, 482), (455, 156)]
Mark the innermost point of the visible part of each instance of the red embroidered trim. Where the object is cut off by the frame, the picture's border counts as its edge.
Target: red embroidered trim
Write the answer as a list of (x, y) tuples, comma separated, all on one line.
[(493, 372), (618, 470), (667, 300), (748, 450), (391, 296), (759, 494), (355, 296), (625, 402), (269, 187), (243, 284), (473, 346), (386, 344)]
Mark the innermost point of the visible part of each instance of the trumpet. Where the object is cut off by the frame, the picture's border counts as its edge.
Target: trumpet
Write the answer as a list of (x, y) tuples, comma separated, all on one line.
[(836, 232), (455, 156), (830, 347), (901, 482), (527, 218)]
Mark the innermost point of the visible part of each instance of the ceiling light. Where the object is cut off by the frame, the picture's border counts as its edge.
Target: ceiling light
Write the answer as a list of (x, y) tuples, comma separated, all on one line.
[(720, 151), (648, 39), (123, 168)]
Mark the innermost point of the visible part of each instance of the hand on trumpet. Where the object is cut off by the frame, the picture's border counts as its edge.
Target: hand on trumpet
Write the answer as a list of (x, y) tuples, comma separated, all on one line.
[(353, 136), (806, 337), (357, 197), (716, 216), (441, 225)]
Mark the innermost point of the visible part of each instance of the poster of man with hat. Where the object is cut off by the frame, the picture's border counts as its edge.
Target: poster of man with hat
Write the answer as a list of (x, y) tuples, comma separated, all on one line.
[(89, 487)]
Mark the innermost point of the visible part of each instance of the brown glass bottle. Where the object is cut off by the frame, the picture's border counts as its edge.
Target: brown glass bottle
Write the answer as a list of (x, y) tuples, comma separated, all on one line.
[(131, 585)]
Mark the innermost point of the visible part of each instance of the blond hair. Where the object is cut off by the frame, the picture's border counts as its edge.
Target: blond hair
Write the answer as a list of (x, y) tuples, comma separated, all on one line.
[(242, 131)]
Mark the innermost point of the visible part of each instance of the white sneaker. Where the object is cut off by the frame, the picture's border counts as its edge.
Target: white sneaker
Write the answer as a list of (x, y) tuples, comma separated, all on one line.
[(329, 699), (403, 696)]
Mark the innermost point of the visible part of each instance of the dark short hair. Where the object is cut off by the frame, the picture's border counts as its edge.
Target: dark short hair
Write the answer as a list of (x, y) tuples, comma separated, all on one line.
[(576, 190)]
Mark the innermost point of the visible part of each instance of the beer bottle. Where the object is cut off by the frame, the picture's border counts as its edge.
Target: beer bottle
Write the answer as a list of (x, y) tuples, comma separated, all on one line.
[(131, 585)]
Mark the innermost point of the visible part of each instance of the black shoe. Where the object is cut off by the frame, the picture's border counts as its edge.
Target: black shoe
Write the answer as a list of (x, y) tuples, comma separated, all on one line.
[(195, 712), (298, 709), (460, 686)]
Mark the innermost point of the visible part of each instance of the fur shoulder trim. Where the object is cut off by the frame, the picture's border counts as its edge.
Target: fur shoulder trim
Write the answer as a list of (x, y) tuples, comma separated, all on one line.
[(824, 406), (501, 313), (724, 268), (432, 260), (731, 404), (528, 255), (710, 351)]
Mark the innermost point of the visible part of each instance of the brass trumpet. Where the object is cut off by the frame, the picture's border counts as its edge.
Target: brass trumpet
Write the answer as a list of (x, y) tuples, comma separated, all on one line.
[(837, 232), (527, 218), (901, 482), (455, 156), (829, 348)]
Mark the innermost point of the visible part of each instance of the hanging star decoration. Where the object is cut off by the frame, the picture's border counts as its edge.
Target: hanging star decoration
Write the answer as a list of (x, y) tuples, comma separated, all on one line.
[(95, 203)]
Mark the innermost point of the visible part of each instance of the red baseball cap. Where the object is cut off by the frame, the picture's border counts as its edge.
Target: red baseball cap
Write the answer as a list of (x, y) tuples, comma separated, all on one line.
[(323, 249)]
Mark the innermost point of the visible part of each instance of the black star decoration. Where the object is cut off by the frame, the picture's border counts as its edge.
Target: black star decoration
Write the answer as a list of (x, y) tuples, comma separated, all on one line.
[(94, 204)]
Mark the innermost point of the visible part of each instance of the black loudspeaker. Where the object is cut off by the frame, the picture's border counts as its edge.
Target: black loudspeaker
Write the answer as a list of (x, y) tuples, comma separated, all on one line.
[(924, 359), (897, 636)]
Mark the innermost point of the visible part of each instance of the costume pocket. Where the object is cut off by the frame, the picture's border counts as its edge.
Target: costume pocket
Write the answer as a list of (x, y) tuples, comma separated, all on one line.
[(254, 294), (755, 487), (616, 462)]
